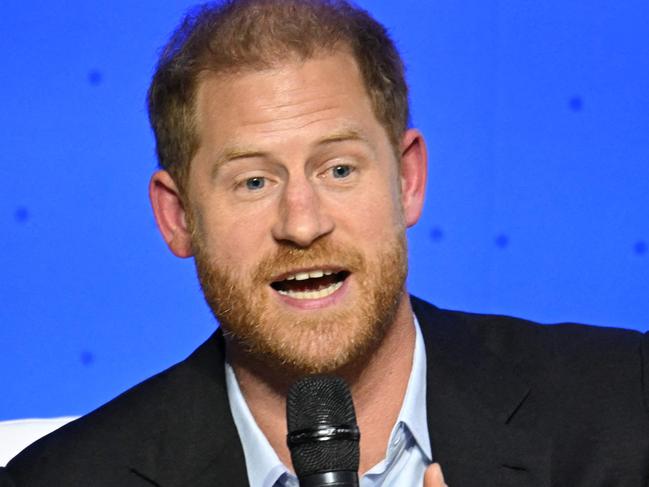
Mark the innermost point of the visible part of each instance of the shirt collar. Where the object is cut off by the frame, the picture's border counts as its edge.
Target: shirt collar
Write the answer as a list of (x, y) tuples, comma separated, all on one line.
[(413, 410), (262, 463), (267, 468)]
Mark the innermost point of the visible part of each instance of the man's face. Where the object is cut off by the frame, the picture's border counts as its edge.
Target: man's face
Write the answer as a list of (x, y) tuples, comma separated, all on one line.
[(295, 205)]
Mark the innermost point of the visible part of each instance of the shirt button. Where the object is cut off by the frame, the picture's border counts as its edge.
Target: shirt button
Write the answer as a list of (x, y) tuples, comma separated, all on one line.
[(398, 437)]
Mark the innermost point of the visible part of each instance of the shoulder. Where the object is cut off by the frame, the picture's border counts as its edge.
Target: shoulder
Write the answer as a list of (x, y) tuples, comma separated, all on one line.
[(505, 334), (106, 443), (598, 371)]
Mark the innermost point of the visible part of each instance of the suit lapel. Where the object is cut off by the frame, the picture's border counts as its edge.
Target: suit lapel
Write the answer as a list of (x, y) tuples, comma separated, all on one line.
[(473, 399), (196, 442)]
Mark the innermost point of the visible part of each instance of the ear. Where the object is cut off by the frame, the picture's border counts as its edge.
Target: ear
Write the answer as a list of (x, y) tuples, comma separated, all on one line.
[(170, 214), (414, 169)]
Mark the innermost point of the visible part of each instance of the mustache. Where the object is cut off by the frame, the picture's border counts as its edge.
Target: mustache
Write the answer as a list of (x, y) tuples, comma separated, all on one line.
[(322, 253)]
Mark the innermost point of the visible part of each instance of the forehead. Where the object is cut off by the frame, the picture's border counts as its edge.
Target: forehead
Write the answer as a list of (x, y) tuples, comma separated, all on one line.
[(322, 93)]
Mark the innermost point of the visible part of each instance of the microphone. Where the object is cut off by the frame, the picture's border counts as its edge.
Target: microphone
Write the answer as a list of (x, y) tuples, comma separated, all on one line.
[(322, 432)]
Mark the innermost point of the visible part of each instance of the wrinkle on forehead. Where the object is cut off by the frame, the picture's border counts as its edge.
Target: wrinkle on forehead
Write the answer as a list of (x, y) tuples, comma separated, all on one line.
[(290, 122), (311, 100), (290, 111)]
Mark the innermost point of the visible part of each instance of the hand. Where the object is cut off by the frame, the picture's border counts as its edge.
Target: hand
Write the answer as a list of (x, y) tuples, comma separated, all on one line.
[(433, 476)]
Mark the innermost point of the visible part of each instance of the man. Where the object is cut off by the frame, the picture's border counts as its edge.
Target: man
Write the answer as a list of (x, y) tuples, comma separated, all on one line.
[(290, 174)]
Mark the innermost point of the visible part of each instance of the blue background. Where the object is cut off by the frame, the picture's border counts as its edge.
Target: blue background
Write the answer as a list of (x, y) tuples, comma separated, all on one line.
[(537, 120)]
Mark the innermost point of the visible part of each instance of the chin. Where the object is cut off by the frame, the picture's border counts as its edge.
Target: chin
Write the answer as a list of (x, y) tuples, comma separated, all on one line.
[(323, 344)]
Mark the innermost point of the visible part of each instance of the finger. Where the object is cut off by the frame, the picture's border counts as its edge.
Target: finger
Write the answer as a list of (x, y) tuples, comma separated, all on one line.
[(433, 476)]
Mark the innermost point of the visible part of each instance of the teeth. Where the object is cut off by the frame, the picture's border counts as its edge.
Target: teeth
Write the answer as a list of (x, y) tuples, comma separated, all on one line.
[(302, 276), (323, 293)]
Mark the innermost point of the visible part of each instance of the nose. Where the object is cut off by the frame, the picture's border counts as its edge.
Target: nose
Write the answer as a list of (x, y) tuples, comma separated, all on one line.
[(301, 218)]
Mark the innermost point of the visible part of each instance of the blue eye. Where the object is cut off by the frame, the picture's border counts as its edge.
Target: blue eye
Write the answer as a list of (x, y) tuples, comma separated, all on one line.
[(254, 184), (341, 171)]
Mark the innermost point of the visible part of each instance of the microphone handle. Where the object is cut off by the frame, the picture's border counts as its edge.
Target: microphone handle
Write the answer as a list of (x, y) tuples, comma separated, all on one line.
[(339, 478)]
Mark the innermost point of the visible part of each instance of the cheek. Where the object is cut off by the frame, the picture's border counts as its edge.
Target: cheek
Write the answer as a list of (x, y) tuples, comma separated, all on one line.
[(372, 214), (367, 228), (232, 238), (239, 242)]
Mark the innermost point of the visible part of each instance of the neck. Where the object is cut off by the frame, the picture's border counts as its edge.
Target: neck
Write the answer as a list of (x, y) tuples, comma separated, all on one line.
[(377, 389)]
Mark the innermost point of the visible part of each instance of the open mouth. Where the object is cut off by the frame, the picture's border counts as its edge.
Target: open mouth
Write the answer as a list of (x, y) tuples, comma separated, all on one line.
[(315, 284)]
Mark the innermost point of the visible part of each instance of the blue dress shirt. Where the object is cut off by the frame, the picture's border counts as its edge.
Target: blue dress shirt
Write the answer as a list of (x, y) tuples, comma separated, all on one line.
[(407, 454)]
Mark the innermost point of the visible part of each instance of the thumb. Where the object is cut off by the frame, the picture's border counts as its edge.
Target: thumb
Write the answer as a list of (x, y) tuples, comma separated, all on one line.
[(433, 476)]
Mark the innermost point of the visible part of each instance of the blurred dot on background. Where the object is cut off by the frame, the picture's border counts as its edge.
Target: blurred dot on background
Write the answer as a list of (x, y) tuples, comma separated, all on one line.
[(21, 215), (641, 247), (87, 358), (576, 103), (436, 234), (502, 240), (95, 77)]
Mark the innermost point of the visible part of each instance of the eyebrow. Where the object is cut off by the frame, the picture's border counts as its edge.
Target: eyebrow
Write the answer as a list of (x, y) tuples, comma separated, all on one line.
[(237, 153), (232, 154), (343, 136)]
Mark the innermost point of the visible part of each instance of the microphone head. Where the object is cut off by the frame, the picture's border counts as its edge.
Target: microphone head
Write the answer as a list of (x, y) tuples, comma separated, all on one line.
[(322, 431)]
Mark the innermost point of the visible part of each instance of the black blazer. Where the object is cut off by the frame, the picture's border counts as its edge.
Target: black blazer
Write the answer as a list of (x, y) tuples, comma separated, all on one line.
[(510, 403)]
